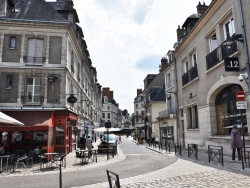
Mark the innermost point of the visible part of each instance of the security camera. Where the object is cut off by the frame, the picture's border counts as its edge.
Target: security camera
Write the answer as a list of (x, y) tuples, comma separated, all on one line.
[(241, 78)]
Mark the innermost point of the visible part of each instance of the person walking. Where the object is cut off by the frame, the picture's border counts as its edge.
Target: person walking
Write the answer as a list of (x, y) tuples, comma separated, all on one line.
[(89, 143), (236, 143), (120, 139)]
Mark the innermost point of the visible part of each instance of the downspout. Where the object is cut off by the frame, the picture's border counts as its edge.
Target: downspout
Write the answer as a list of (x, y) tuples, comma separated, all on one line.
[(177, 104)]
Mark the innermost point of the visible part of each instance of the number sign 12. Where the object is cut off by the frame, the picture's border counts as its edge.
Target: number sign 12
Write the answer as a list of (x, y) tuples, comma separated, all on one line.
[(232, 64)]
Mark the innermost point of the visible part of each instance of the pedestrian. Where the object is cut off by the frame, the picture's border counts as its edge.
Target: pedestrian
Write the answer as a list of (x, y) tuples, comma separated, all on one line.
[(120, 139), (2, 149), (236, 143), (89, 143), (82, 142)]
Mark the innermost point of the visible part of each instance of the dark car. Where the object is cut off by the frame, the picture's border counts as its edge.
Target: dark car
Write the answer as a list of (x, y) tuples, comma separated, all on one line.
[(108, 142)]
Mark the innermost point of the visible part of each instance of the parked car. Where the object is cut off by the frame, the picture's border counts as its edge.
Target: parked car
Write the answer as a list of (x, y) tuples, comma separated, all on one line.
[(107, 141)]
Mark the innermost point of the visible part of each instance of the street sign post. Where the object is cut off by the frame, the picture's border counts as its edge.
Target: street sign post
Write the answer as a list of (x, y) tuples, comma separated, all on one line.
[(241, 105), (240, 95)]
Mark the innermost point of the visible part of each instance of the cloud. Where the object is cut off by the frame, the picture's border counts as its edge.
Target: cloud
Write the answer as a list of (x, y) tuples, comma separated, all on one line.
[(149, 63)]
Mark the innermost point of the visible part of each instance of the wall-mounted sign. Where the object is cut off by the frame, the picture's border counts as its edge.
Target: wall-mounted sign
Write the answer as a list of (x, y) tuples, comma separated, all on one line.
[(232, 64), (71, 99)]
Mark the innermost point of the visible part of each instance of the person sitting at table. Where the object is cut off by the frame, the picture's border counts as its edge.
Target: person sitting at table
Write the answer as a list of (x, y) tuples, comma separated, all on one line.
[(1, 149), (37, 152)]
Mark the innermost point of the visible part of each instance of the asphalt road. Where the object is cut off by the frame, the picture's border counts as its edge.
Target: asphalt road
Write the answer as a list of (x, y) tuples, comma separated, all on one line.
[(139, 160)]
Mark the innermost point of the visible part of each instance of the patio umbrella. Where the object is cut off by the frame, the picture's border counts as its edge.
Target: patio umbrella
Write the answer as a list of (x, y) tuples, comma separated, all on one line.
[(103, 129), (9, 120)]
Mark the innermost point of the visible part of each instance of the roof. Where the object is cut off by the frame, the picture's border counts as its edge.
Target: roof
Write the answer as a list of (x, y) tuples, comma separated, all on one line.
[(37, 10), (191, 17), (160, 95)]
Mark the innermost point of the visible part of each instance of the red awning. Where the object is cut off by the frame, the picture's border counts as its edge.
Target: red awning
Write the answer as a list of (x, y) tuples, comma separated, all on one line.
[(31, 118), (23, 128)]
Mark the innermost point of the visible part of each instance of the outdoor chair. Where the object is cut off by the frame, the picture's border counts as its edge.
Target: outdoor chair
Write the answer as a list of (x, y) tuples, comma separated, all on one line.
[(43, 160), (59, 160), (30, 158)]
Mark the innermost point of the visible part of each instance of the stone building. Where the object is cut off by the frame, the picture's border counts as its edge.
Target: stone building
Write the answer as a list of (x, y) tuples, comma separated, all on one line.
[(208, 78), (47, 78)]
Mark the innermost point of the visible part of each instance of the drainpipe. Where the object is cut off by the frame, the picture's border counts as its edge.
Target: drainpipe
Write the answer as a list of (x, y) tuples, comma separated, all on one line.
[(177, 103)]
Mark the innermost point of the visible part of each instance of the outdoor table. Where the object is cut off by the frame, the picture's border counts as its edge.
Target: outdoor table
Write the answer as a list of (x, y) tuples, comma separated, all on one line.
[(1, 158), (85, 155), (50, 158)]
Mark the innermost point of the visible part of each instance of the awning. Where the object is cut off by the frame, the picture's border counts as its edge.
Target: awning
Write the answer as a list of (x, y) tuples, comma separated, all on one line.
[(23, 128), (103, 129), (5, 119)]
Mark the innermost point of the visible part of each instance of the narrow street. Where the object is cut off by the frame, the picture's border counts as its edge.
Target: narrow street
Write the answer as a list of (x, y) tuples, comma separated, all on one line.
[(138, 161)]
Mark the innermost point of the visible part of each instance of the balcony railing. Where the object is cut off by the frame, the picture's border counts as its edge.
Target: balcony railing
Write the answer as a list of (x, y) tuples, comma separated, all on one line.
[(167, 112), (190, 75), (34, 60), (32, 99), (213, 58), (221, 53)]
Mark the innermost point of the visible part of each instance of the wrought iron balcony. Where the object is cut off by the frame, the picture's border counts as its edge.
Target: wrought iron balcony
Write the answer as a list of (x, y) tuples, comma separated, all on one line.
[(190, 75), (213, 58), (167, 112), (32, 99), (34, 60)]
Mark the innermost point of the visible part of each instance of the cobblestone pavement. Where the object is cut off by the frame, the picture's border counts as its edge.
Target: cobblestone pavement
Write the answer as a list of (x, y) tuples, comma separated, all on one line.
[(189, 173)]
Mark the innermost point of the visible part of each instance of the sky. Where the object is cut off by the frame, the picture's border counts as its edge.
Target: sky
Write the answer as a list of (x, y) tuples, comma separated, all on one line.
[(126, 39)]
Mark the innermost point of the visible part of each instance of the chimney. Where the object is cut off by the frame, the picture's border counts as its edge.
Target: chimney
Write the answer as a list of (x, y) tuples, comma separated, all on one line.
[(201, 8), (111, 94), (139, 91), (70, 2), (180, 33), (106, 91), (164, 63)]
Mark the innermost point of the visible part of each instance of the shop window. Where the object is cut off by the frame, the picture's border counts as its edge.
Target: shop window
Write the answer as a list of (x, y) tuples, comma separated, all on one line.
[(60, 135), (226, 110)]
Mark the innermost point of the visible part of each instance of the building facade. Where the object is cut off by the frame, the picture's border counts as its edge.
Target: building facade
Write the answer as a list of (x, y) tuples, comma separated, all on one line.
[(47, 78), (206, 88)]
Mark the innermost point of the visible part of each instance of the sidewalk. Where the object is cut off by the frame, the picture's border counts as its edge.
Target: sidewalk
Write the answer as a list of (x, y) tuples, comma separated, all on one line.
[(203, 159), (72, 164)]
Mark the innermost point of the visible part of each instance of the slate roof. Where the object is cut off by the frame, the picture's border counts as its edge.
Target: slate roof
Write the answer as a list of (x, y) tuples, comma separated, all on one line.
[(37, 10), (160, 95)]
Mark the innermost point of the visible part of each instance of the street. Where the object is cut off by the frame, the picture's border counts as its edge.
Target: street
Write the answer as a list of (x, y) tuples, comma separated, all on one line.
[(138, 161), (141, 168)]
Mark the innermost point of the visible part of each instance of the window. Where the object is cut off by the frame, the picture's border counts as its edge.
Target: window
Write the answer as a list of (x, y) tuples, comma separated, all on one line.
[(213, 43), (108, 107), (12, 42), (136, 106), (33, 89), (9, 81), (194, 60), (35, 47), (103, 115), (185, 67), (108, 115), (192, 117), (229, 28)]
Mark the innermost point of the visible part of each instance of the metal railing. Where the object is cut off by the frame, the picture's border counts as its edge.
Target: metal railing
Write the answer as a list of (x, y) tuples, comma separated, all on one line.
[(113, 179), (167, 112), (32, 99), (193, 150), (215, 153), (34, 60), (212, 58), (190, 75)]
